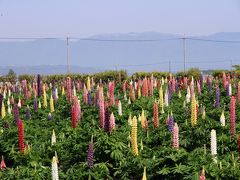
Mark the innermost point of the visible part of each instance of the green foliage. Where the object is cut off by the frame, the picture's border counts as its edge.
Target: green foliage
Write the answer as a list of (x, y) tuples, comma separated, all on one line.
[(142, 75), (192, 72)]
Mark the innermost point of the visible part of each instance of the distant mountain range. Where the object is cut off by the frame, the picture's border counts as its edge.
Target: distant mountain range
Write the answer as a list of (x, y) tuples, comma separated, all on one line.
[(49, 56)]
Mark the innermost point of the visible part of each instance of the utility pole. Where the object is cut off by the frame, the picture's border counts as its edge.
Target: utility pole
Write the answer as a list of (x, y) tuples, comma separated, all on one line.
[(231, 65), (68, 65), (184, 52)]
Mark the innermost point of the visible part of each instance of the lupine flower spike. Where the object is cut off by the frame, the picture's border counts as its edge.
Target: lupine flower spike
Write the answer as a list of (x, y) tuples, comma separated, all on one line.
[(21, 136), (90, 154), (144, 174), (134, 136), (3, 165), (54, 169)]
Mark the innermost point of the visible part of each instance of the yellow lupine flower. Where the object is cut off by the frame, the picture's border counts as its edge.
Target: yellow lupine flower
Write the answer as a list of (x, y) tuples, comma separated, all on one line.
[(3, 113), (63, 91), (161, 97), (51, 104), (194, 112), (88, 84), (144, 174), (134, 136)]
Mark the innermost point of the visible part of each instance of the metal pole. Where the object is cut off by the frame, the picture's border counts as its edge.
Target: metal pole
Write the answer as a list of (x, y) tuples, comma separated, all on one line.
[(184, 52), (68, 65), (231, 65)]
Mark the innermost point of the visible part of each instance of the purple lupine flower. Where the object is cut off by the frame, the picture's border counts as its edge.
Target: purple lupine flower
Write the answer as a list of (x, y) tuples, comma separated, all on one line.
[(49, 116), (89, 98), (54, 93), (28, 115), (210, 85), (176, 86), (107, 120), (90, 155), (35, 105), (169, 92), (227, 89), (1, 98), (217, 102), (16, 113), (39, 87), (170, 123)]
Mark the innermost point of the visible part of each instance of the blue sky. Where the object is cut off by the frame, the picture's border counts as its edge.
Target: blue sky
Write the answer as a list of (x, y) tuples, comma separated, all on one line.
[(59, 18)]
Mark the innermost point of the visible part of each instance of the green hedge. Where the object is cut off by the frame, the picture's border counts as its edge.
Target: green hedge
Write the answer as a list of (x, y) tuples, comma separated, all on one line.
[(155, 74)]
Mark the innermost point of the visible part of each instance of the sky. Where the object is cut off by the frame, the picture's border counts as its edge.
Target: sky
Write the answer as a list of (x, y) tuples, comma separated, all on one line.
[(82, 18)]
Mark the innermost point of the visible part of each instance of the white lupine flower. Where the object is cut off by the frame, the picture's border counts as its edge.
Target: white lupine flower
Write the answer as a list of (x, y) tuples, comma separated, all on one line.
[(54, 169), (129, 101), (203, 113), (74, 91), (39, 105), (56, 93), (135, 85), (53, 138), (4, 94), (213, 142), (9, 110), (162, 111), (125, 97), (222, 119), (230, 89), (130, 119), (162, 81), (155, 83), (19, 103), (9, 93), (119, 108), (166, 98), (188, 96)]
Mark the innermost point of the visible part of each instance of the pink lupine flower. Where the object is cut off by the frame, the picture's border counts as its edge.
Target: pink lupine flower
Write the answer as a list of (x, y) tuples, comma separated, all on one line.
[(175, 134)]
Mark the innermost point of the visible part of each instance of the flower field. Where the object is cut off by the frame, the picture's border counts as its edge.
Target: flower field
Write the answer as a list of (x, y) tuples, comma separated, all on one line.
[(142, 128)]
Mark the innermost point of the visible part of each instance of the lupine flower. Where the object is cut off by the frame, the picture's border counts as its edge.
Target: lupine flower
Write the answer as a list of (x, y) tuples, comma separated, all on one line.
[(209, 84), (19, 103), (53, 139), (166, 98), (54, 169), (39, 85), (222, 119), (134, 136), (51, 104), (111, 93), (193, 111), (101, 113), (175, 135), (16, 113), (112, 122), (132, 92), (169, 92), (145, 88), (90, 154), (119, 108), (224, 79), (230, 89), (143, 120), (107, 120), (88, 84), (85, 94), (227, 90), (170, 123), (35, 105), (213, 143), (130, 119), (28, 115), (3, 165), (217, 103), (49, 116), (161, 103), (89, 98), (69, 89), (155, 114), (202, 176), (144, 174), (233, 116), (3, 111), (21, 136)]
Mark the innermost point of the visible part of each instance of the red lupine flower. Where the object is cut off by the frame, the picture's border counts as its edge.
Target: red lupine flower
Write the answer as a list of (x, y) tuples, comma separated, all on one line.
[(111, 87), (233, 116), (3, 165), (21, 136), (145, 87), (69, 89), (155, 114)]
